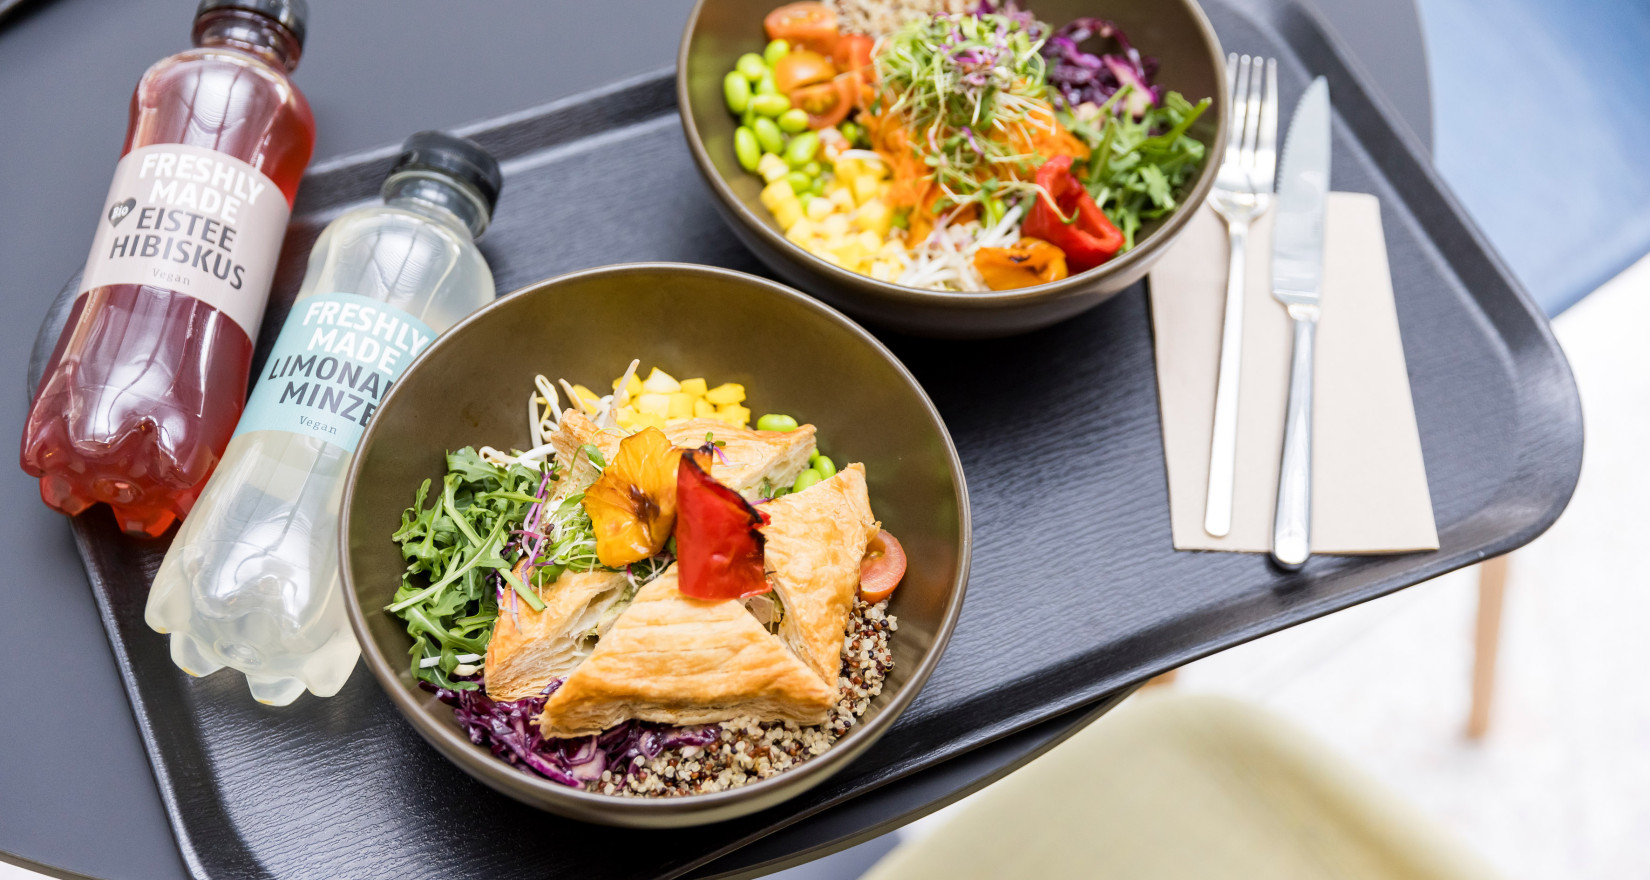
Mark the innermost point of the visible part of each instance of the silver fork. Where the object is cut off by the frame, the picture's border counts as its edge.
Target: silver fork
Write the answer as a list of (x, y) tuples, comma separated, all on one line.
[(1242, 192)]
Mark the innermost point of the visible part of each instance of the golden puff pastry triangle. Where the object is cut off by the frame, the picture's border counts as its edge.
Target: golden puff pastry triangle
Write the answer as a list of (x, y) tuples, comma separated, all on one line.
[(747, 457), (672, 659), (815, 541), (573, 433), (529, 649)]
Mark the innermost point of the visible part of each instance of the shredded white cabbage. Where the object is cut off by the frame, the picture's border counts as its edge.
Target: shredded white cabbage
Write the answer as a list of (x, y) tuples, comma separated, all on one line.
[(619, 397), (544, 412), (945, 259)]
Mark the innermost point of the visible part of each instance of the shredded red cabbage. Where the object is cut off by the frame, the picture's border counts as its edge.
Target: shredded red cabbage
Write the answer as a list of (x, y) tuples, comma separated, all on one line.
[(1081, 77), (506, 728)]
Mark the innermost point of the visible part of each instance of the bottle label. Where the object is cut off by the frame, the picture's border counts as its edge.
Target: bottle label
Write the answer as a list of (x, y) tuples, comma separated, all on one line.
[(195, 221), (336, 358)]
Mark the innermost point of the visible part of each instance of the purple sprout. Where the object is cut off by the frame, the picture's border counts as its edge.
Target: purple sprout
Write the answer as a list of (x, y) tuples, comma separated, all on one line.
[(1011, 10)]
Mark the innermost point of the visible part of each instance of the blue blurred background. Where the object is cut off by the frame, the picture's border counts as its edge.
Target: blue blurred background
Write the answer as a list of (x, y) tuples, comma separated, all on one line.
[(1553, 168)]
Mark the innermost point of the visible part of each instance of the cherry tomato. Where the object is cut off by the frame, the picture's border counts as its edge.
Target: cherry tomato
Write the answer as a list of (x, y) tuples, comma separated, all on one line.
[(801, 68), (853, 51), (827, 103), (881, 569), (809, 25)]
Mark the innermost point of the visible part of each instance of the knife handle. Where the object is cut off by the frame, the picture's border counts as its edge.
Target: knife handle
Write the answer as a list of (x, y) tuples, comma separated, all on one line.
[(1291, 525), (1217, 507)]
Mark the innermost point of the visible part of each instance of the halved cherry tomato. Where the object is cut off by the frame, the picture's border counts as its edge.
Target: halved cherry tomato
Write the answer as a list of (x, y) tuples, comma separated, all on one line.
[(853, 51), (801, 68), (881, 569), (827, 103), (809, 25)]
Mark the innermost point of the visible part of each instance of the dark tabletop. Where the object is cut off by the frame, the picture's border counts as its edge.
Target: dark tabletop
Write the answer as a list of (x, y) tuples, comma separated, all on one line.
[(75, 788)]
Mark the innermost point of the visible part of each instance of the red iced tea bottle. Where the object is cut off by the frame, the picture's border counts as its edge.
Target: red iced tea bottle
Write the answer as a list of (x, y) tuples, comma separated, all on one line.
[(148, 379)]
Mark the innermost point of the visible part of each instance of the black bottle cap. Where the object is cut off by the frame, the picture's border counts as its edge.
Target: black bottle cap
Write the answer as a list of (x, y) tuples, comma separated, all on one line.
[(457, 157), (290, 14)]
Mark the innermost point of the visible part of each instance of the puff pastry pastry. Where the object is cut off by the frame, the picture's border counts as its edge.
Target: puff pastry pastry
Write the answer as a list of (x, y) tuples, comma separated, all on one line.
[(748, 457), (815, 541), (677, 660), (575, 432), (531, 648)]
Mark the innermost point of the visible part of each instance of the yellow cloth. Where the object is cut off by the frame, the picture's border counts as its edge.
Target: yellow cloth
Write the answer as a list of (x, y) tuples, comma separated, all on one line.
[(1175, 787)]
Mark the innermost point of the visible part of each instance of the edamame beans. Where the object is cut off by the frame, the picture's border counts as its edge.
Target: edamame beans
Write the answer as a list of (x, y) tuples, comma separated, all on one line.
[(802, 149), (822, 464), (737, 90), (776, 422), (751, 66), (770, 105), (793, 120), (805, 479), (813, 169), (994, 211), (765, 85), (767, 134), (746, 148), (800, 183), (776, 50), (849, 131)]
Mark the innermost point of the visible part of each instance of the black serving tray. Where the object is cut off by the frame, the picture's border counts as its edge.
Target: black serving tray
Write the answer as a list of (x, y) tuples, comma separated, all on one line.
[(1076, 591)]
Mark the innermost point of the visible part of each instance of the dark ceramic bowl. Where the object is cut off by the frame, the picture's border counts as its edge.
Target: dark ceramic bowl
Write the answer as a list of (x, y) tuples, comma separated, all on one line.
[(719, 31), (792, 353)]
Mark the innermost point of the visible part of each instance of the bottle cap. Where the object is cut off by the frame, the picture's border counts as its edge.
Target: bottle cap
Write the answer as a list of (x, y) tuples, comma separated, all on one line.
[(457, 157), (290, 14)]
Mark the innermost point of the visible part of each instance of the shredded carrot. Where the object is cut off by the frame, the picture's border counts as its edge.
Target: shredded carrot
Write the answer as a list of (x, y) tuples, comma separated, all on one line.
[(911, 180)]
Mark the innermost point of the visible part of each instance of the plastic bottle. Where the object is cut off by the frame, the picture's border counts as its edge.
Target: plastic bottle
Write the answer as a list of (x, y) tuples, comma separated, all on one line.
[(252, 581), (147, 380)]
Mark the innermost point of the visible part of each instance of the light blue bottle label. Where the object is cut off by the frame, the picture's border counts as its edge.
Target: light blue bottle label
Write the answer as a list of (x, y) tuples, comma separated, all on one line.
[(336, 358)]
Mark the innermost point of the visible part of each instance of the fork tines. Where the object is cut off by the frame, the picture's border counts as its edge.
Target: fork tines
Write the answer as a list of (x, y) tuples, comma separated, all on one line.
[(1252, 139)]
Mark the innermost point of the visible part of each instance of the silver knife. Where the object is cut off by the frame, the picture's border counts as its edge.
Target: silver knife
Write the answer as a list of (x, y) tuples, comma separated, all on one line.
[(1297, 282)]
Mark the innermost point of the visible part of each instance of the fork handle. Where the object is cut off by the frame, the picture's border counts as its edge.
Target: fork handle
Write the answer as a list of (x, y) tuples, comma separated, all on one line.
[(1291, 525), (1217, 510)]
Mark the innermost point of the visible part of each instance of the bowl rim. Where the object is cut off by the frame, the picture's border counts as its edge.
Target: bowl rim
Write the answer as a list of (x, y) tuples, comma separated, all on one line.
[(1074, 286), (477, 762)]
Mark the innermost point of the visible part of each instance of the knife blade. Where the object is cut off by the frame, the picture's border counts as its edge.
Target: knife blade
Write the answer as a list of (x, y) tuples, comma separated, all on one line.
[(1297, 282), (1303, 189)]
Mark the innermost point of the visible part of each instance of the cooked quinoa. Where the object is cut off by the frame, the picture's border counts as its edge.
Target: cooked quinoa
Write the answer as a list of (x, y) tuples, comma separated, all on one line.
[(750, 749), (877, 18)]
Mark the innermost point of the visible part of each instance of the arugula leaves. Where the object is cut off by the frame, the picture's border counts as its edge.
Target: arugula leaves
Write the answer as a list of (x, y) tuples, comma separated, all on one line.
[(453, 546), (1137, 164)]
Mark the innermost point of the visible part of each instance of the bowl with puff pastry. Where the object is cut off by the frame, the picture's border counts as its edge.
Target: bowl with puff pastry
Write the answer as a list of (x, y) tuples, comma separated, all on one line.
[(794, 354)]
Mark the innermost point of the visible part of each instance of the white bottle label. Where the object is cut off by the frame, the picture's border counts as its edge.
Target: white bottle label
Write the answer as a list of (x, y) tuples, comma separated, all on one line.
[(336, 358), (192, 220)]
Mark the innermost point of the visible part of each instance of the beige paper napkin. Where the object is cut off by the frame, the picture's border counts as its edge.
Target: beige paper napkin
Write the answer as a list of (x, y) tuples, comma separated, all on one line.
[(1369, 485)]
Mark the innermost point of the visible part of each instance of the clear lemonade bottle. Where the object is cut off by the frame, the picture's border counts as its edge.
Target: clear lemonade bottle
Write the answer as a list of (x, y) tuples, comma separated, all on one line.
[(252, 579)]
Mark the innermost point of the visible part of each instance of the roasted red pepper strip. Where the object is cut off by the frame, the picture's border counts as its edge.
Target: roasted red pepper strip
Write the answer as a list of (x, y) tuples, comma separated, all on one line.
[(719, 544), (1089, 240)]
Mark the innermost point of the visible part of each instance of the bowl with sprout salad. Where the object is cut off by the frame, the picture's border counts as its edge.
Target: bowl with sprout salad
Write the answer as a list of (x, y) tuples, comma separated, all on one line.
[(960, 168)]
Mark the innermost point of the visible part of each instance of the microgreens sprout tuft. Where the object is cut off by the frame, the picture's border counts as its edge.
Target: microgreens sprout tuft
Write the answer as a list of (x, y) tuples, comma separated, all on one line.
[(963, 83)]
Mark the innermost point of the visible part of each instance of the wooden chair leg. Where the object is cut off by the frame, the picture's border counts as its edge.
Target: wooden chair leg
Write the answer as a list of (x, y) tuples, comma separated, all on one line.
[(1492, 590)]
